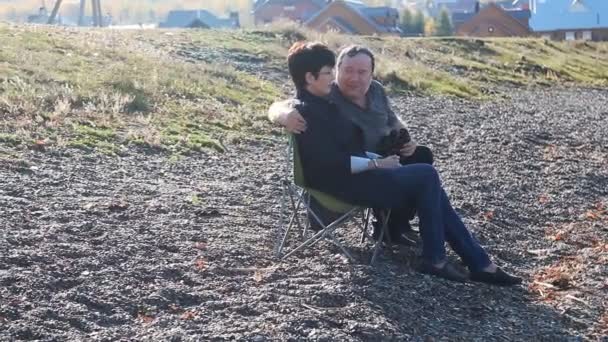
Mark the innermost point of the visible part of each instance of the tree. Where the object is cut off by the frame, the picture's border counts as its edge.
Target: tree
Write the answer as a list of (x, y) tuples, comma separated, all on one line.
[(429, 27), (406, 21), (444, 26), (418, 23)]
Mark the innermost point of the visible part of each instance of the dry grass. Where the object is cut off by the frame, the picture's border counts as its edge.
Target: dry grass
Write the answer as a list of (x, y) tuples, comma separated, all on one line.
[(567, 279), (90, 89), (132, 84)]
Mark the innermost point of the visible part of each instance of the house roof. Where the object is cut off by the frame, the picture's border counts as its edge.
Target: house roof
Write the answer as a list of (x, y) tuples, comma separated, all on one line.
[(512, 4), (551, 15), (364, 12), (346, 27), (259, 3), (507, 15), (379, 11), (521, 15), (184, 18)]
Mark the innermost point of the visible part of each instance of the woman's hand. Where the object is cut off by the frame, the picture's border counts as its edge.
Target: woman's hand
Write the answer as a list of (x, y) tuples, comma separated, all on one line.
[(390, 162)]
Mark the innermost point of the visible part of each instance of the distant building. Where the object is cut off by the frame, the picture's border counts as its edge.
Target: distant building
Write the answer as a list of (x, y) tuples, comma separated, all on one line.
[(199, 19), (267, 11), (452, 6), (493, 20), (88, 20), (570, 19), (354, 17)]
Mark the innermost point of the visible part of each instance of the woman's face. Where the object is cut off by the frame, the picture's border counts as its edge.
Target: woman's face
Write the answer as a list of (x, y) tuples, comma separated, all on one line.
[(320, 86)]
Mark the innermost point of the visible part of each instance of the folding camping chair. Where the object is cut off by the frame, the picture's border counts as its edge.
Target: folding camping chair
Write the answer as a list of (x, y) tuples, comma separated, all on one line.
[(297, 194)]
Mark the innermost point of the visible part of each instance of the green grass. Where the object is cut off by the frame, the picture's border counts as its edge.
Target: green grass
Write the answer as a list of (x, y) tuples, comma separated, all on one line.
[(10, 139), (188, 91)]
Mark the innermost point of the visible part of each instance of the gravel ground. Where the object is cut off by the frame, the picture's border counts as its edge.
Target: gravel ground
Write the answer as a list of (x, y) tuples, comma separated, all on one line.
[(147, 247)]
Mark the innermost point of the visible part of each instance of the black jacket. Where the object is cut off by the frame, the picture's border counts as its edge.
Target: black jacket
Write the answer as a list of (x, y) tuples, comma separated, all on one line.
[(327, 144)]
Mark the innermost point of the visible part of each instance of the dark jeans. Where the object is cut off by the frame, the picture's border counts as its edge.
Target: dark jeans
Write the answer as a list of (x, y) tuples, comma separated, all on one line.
[(419, 186), (399, 219)]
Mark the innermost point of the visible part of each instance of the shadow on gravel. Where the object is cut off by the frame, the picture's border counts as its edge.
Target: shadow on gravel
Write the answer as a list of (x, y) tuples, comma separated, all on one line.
[(417, 307)]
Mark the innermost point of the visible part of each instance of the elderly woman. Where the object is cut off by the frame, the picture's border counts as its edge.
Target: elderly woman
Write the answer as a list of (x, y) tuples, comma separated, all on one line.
[(334, 161)]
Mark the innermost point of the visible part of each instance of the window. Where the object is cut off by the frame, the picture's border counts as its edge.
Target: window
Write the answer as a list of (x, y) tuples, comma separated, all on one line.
[(587, 35), (570, 35)]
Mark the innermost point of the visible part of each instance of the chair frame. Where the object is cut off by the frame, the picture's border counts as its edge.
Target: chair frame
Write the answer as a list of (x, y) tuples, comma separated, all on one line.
[(298, 195)]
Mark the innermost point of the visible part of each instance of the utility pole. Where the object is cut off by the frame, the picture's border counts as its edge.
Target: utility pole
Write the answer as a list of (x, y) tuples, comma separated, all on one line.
[(54, 13), (95, 5), (95, 13), (99, 13), (83, 8)]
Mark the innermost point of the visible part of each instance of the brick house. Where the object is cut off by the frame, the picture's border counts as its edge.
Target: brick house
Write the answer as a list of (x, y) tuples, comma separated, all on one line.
[(267, 11), (493, 20), (354, 17), (570, 19)]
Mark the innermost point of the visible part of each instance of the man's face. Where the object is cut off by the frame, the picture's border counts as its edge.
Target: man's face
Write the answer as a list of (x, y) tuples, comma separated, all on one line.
[(355, 76)]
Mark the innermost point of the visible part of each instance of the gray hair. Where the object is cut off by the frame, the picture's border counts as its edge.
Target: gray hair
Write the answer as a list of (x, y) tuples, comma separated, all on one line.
[(352, 51)]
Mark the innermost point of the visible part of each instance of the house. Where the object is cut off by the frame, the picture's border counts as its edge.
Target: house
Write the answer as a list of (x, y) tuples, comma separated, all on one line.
[(354, 17), (492, 20), (199, 19), (513, 4), (267, 11), (570, 19), (88, 21), (452, 6)]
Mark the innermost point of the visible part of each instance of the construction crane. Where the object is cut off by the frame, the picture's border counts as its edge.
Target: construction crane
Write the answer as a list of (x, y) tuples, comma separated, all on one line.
[(95, 4)]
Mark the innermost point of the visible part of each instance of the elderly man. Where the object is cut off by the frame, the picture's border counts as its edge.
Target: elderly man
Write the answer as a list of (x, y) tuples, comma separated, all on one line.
[(364, 100)]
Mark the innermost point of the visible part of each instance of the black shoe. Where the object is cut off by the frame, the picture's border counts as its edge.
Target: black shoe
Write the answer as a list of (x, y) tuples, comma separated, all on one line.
[(394, 239), (499, 278), (448, 271), (400, 240), (409, 233)]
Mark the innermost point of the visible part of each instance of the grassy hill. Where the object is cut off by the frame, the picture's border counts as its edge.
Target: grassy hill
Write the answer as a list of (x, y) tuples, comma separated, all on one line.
[(184, 91), (141, 193)]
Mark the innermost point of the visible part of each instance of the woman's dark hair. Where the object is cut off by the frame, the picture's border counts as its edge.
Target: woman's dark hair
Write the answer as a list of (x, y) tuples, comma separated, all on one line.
[(353, 50), (308, 57)]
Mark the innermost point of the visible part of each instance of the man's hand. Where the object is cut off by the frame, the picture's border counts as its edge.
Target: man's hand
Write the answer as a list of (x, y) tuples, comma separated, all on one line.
[(390, 162), (408, 149), (294, 122)]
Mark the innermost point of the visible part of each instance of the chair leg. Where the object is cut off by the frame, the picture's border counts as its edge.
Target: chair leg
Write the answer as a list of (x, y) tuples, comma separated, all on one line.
[(296, 206), (383, 231), (337, 243), (327, 230), (300, 196), (305, 230), (366, 216), (282, 221)]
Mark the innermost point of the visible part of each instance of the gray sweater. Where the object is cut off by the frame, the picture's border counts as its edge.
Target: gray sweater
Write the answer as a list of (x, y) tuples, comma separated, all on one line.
[(376, 121)]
